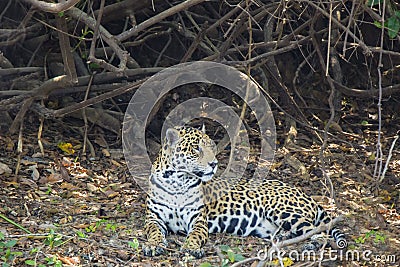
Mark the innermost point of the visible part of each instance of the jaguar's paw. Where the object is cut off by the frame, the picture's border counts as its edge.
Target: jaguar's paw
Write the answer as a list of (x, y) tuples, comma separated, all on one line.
[(151, 250), (312, 245), (197, 253)]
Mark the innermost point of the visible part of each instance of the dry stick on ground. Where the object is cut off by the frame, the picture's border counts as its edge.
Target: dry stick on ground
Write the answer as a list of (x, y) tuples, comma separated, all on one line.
[(66, 51), (40, 131), (364, 47), (51, 7), (236, 135), (20, 32), (60, 85), (389, 157), (349, 23), (360, 93), (332, 111), (332, 61), (92, 50), (106, 36), (239, 28), (272, 67), (85, 120), (193, 46), (20, 71), (97, 99), (379, 152), (18, 120), (157, 18), (126, 8), (38, 93)]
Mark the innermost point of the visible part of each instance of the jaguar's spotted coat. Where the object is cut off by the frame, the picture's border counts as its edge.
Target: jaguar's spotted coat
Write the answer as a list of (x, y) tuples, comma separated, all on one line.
[(180, 199)]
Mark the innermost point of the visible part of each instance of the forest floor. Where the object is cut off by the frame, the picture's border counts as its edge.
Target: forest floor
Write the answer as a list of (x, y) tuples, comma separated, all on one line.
[(72, 210), (62, 206)]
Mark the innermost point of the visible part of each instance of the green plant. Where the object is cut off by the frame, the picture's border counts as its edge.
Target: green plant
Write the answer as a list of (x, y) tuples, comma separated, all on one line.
[(91, 229), (53, 261), (53, 239), (31, 262), (80, 234), (392, 24), (111, 226), (378, 237), (7, 255), (134, 244), (231, 256)]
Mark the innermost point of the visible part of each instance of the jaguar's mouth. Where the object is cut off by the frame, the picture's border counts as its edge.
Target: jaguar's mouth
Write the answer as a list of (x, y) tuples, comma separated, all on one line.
[(199, 174)]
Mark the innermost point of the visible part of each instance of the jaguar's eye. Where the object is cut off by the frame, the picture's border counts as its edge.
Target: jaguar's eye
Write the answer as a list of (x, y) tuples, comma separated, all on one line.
[(168, 173)]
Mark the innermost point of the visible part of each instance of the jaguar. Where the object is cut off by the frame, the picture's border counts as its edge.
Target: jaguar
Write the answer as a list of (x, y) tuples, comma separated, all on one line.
[(183, 197)]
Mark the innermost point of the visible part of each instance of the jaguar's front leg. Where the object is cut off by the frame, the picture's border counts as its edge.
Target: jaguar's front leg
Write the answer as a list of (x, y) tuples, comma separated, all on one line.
[(156, 231), (197, 237)]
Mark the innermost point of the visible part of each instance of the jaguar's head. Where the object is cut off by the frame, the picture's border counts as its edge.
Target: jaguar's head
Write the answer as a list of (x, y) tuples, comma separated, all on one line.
[(191, 151)]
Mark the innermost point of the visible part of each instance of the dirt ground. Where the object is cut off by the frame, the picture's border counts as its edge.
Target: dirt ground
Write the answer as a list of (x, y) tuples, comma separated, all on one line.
[(73, 210), (69, 202)]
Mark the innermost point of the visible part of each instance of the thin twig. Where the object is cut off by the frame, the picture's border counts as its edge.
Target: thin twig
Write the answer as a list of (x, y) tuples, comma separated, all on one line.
[(51, 7), (281, 244), (157, 18), (40, 130), (379, 153), (97, 99), (389, 158), (85, 137), (332, 114), (364, 47), (106, 36)]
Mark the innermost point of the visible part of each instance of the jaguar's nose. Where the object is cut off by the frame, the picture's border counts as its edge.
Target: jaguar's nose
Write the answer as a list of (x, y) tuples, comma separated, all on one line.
[(213, 164)]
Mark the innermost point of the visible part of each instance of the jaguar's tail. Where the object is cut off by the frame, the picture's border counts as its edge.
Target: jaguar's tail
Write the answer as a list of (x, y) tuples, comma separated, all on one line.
[(335, 233)]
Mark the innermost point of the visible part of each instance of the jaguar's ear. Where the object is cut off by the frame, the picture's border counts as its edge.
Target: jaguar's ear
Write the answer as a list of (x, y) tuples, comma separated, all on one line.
[(172, 136)]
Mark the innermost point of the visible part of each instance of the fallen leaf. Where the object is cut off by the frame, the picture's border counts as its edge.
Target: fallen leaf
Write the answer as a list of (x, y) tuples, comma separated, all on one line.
[(66, 147), (110, 193), (91, 187), (68, 186), (37, 155), (66, 162), (105, 153), (71, 261), (4, 169), (28, 182), (10, 144), (35, 173), (115, 163), (51, 179), (64, 173)]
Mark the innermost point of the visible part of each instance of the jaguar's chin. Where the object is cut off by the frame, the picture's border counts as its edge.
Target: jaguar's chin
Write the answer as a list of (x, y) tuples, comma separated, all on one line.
[(207, 177)]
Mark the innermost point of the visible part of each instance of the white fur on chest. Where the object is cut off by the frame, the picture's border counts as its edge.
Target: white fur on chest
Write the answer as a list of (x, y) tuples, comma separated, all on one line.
[(179, 201)]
